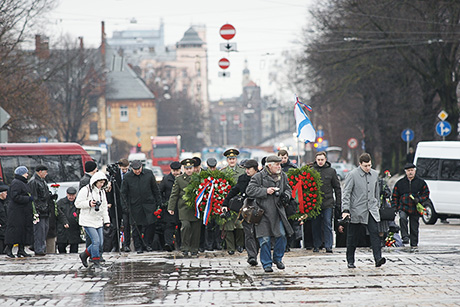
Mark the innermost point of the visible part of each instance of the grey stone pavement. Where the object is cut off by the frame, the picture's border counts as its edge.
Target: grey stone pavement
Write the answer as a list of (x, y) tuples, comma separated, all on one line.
[(428, 277)]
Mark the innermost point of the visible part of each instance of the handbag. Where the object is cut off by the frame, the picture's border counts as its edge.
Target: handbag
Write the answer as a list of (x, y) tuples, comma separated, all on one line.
[(387, 213), (250, 212), (236, 202), (291, 207)]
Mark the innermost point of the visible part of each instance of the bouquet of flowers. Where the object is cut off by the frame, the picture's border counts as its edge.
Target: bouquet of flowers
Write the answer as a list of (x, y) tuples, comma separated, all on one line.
[(158, 213), (420, 208), (55, 187), (35, 213), (306, 189), (390, 240), (206, 193)]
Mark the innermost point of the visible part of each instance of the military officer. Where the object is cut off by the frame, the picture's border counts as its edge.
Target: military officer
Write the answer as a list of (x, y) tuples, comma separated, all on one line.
[(234, 234), (190, 230)]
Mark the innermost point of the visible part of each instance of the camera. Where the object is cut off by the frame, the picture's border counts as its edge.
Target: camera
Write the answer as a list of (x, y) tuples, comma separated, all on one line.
[(226, 214), (112, 169), (98, 205), (277, 193)]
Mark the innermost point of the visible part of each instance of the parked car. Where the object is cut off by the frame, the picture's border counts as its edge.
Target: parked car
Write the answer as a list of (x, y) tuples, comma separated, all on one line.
[(342, 169), (156, 170)]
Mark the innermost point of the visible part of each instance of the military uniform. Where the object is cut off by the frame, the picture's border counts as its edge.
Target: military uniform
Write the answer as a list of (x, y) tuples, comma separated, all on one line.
[(190, 230), (233, 228)]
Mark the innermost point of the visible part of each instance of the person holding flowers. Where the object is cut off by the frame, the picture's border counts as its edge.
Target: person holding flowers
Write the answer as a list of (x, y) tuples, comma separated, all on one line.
[(191, 226), (267, 188), (19, 229), (68, 229), (408, 192)]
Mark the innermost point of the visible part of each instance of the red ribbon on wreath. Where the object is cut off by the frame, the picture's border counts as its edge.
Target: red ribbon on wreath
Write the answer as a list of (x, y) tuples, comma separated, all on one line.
[(297, 190)]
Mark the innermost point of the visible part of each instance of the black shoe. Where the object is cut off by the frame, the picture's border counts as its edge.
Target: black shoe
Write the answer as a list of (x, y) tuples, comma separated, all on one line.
[(252, 261), (231, 252), (148, 249), (194, 253), (240, 249), (351, 266), (185, 254), (288, 249), (8, 251), (380, 262), (445, 221), (201, 249), (268, 269), (140, 251), (23, 254), (101, 260), (40, 254), (316, 250), (280, 265), (329, 250), (168, 248), (126, 249), (405, 241)]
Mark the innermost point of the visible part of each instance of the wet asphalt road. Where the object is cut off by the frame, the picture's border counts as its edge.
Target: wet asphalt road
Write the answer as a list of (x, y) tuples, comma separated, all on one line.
[(430, 276)]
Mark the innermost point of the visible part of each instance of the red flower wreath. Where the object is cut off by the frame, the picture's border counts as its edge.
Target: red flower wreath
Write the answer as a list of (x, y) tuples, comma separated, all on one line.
[(306, 185)]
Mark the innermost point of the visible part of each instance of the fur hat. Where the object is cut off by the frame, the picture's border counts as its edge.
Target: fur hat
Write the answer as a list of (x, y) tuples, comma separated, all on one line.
[(21, 170)]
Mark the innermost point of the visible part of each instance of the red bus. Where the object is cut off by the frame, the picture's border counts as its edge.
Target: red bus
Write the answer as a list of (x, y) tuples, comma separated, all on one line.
[(165, 149), (65, 162)]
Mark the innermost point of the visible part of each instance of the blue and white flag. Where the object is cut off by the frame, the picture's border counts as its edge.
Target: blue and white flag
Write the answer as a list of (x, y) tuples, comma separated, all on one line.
[(305, 130)]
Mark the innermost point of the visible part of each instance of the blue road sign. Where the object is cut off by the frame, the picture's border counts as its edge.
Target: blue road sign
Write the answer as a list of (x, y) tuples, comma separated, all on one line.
[(407, 135), (323, 145), (443, 128), (319, 133), (42, 139)]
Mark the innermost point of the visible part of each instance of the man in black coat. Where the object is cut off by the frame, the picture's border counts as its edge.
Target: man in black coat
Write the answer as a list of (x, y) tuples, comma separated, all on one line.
[(250, 241), (68, 228), (41, 196), (140, 197), (170, 222), (322, 224)]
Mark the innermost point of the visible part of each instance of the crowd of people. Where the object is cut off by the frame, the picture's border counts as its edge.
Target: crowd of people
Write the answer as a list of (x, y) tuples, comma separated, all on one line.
[(110, 209)]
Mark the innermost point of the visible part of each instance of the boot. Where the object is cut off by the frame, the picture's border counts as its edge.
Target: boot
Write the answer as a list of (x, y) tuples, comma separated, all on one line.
[(84, 258), (96, 263), (22, 252), (9, 251)]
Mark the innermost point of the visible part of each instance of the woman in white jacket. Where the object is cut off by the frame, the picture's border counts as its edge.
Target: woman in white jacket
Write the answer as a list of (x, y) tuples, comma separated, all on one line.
[(92, 202)]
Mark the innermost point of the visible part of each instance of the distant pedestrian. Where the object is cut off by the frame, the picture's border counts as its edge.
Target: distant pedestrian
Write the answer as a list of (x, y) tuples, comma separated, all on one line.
[(68, 229), (409, 185), (90, 170), (19, 229), (41, 195), (268, 187), (361, 203), (3, 218)]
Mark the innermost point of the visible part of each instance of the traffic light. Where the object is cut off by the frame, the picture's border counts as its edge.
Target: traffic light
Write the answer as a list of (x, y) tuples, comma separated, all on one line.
[(318, 142), (138, 147)]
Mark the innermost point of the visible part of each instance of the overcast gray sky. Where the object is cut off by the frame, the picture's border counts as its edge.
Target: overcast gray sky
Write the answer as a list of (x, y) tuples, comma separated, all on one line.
[(264, 28)]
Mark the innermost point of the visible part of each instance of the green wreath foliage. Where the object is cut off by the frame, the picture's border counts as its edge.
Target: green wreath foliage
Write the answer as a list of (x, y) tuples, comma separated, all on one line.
[(222, 185), (309, 180)]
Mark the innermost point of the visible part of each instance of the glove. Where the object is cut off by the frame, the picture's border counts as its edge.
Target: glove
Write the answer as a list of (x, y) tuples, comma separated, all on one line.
[(54, 196)]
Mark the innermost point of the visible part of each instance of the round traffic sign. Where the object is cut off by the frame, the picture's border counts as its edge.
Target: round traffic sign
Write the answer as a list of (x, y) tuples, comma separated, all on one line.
[(108, 141), (224, 63), (352, 143), (443, 128), (407, 135), (227, 31)]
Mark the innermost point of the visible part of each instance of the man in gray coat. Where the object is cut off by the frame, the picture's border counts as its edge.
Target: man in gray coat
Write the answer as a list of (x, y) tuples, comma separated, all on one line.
[(360, 201), (268, 187)]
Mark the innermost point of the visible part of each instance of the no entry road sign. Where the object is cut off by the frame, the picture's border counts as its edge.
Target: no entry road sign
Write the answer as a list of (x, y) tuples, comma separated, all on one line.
[(224, 63), (227, 31)]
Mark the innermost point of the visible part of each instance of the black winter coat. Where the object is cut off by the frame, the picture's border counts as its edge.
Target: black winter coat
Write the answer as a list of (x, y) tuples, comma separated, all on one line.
[(3, 204), (331, 184), (41, 194), (140, 196), (240, 187), (165, 190), (287, 166), (69, 235), (19, 227)]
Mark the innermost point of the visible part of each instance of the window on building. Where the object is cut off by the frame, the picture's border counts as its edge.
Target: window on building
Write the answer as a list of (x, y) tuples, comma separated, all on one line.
[(92, 104), (109, 111), (93, 131), (139, 110), (124, 113)]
